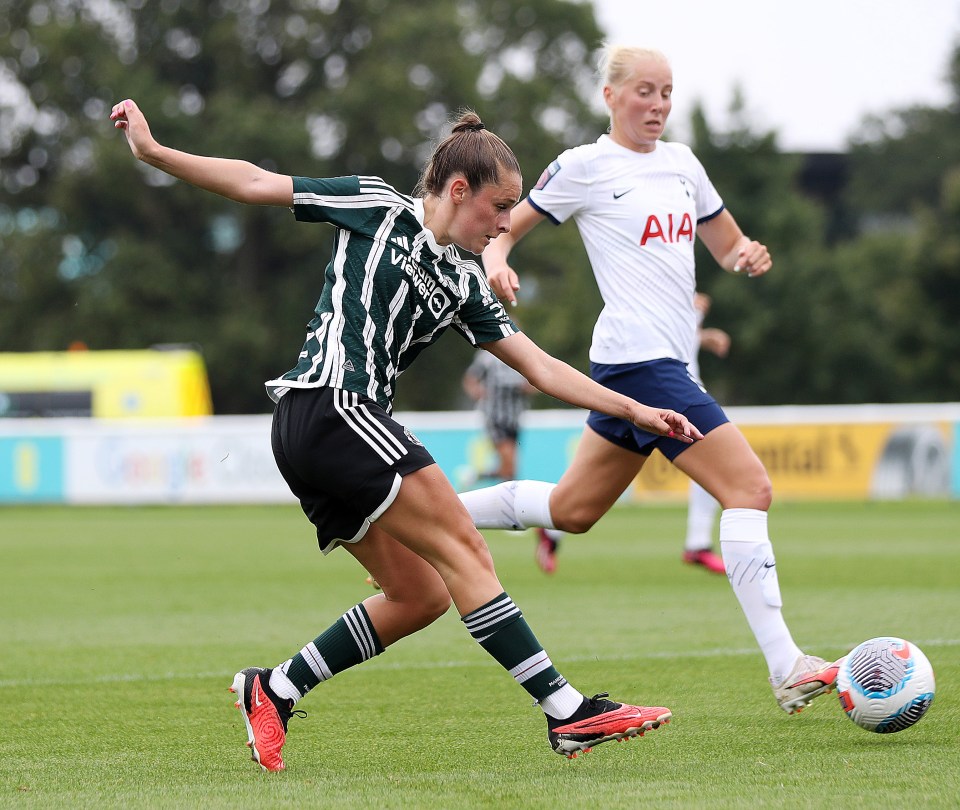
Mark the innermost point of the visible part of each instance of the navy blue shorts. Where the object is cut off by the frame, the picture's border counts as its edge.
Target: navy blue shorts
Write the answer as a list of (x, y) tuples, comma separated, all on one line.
[(662, 383)]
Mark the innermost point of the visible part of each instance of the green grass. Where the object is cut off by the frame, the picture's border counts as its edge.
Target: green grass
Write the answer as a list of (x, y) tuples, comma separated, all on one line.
[(120, 630)]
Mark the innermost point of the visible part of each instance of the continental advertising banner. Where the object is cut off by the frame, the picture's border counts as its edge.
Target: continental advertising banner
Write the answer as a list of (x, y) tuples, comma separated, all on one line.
[(835, 461)]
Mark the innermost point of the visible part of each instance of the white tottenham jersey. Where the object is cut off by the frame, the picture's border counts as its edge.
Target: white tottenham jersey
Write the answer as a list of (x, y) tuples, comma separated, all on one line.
[(637, 213)]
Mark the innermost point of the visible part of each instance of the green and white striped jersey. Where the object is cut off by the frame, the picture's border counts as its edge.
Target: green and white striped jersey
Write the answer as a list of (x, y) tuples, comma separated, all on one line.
[(389, 290)]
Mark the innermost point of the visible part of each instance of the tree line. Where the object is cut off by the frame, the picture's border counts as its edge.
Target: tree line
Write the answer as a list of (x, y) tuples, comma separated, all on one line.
[(862, 306)]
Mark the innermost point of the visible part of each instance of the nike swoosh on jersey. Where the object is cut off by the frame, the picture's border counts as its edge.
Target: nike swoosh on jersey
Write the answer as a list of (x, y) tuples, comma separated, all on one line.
[(617, 195)]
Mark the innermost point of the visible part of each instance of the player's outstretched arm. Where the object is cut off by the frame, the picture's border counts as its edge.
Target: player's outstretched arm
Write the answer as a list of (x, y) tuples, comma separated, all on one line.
[(560, 380), (235, 179)]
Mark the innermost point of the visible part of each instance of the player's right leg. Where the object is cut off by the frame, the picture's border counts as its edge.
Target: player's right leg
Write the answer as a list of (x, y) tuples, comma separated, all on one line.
[(428, 517), (265, 715), (413, 596), (313, 432), (599, 474)]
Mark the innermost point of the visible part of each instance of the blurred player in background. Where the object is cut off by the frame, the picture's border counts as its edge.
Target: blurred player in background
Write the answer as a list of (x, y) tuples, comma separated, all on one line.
[(394, 283), (639, 203), (502, 395)]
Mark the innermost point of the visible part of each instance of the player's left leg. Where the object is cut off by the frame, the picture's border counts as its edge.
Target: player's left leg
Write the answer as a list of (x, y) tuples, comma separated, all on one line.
[(725, 465), (597, 476)]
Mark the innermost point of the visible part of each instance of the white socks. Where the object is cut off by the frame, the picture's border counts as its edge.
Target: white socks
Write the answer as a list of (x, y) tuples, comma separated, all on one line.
[(282, 686), (562, 703), (702, 510), (510, 505), (751, 569)]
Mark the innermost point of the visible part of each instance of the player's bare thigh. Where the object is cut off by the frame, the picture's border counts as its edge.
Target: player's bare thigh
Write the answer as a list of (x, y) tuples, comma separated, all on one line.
[(429, 519), (725, 465), (596, 478)]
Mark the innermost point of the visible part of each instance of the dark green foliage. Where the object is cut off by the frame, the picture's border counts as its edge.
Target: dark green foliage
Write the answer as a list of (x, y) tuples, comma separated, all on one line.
[(98, 248), (862, 303)]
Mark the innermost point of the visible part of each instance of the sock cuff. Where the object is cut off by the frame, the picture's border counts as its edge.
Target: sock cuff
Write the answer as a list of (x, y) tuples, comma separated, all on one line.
[(531, 504), (743, 526), (356, 625), (491, 617), (361, 612)]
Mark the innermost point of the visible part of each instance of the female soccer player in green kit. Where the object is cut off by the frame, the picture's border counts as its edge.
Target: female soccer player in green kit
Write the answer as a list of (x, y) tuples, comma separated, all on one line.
[(394, 283)]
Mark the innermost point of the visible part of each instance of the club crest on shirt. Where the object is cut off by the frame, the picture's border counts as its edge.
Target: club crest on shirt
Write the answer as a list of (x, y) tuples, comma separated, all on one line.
[(411, 438)]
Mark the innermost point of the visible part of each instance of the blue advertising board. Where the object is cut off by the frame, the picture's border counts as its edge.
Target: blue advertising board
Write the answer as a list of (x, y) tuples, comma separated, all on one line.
[(31, 469)]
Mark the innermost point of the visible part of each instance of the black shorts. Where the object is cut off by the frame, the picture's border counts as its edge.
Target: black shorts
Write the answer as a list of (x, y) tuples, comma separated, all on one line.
[(660, 384), (343, 456), (503, 431)]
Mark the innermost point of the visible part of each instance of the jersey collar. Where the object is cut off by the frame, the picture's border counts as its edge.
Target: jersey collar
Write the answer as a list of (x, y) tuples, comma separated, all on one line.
[(432, 243)]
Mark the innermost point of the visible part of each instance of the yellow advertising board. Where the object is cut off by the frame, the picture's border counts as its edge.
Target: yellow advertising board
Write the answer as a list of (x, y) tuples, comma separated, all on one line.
[(824, 461), (145, 383)]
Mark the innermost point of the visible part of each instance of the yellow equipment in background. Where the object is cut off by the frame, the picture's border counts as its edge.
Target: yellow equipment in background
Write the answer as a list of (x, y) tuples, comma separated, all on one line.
[(146, 383)]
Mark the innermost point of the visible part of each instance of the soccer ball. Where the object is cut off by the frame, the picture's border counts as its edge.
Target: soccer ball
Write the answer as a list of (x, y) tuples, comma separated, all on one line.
[(885, 684)]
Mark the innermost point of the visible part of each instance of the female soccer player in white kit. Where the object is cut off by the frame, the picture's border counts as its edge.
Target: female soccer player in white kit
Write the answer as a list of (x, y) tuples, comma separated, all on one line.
[(639, 202)]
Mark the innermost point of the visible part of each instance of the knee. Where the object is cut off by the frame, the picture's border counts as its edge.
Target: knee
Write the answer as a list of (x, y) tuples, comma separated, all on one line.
[(434, 604), (753, 492), (473, 544), (422, 603), (461, 551), (576, 521), (765, 495), (762, 491)]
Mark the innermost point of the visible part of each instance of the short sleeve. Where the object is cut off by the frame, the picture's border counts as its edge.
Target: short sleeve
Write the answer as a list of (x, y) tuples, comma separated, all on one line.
[(346, 202), (562, 189), (709, 201)]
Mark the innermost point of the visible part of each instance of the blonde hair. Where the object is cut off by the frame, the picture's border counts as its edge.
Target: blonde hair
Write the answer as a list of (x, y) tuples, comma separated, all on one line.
[(617, 62)]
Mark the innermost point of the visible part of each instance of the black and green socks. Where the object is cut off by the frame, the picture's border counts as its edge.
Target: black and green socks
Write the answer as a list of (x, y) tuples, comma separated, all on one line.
[(350, 640), (499, 627)]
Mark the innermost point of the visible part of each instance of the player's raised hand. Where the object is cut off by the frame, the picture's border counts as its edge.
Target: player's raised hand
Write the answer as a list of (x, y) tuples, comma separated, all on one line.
[(126, 115)]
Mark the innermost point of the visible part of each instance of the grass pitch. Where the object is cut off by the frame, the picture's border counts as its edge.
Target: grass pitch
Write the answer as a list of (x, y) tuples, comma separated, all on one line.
[(122, 628)]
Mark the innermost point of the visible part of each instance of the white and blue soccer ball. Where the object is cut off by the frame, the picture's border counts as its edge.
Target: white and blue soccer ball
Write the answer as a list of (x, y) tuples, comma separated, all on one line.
[(885, 684)]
